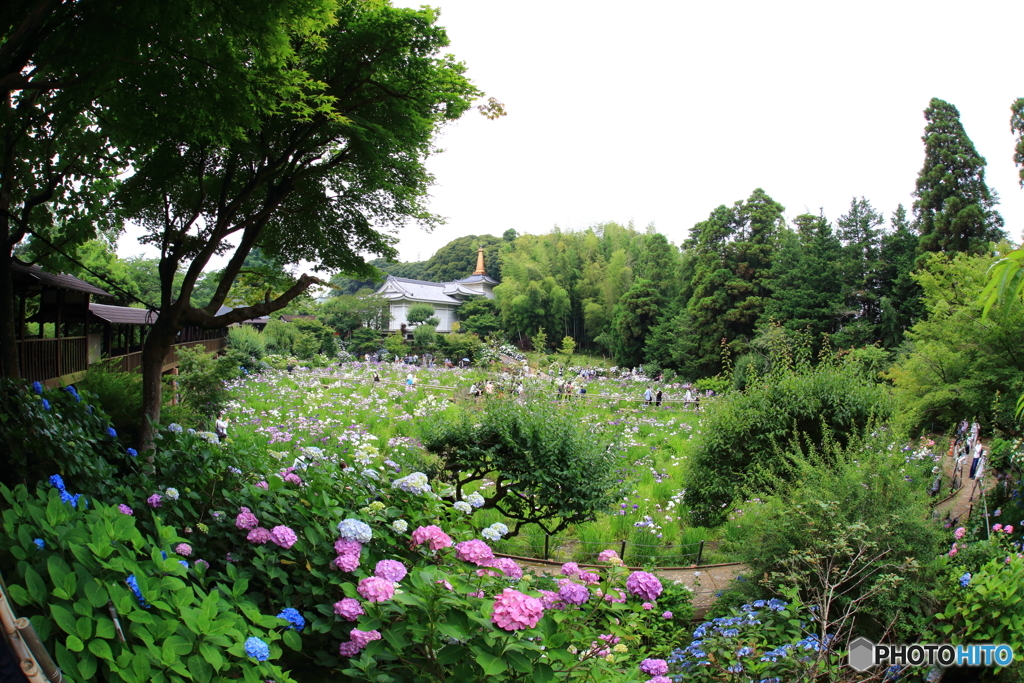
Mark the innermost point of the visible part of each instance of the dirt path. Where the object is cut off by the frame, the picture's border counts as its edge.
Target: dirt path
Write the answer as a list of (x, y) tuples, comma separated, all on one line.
[(705, 581), (959, 505)]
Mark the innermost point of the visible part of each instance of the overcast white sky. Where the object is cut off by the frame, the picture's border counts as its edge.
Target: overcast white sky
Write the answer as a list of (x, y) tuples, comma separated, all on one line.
[(657, 112)]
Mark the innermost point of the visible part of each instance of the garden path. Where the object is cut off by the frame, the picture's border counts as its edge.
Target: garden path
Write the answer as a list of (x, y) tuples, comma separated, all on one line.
[(706, 581), (960, 503)]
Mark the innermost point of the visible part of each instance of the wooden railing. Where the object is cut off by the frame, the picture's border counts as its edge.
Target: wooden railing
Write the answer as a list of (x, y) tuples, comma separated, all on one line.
[(43, 359), (132, 362)]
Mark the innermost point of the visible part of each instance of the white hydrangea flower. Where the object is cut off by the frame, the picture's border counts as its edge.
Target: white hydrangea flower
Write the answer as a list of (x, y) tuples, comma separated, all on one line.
[(475, 499), (400, 525), (416, 483), (463, 506), (171, 494)]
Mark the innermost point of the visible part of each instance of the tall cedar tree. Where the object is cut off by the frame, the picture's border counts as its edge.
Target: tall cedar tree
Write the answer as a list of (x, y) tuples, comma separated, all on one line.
[(954, 209), (315, 188), (731, 280), (860, 231), (806, 276), (900, 293)]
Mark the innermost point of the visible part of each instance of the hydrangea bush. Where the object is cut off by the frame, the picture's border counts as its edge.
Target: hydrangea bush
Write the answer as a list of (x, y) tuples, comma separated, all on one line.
[(371, 575)]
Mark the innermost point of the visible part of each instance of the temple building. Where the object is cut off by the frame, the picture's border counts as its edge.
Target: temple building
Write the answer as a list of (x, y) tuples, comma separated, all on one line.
[(446, 297)]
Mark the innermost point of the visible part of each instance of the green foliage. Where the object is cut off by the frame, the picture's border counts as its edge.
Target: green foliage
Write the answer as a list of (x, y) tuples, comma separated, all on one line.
[(344, 314), (421, 314), (459, 345), (70, 437), (363, 341), (954, 209), (250, 344), (989, 609), (744, 434), (480, 316), (424, 338), (201, 378), (395, 344), (191, 626), (319, 339), (568, 347), (635, 314), (119, 394), (851, 531), (546, 467), (960, 365), (539, 341), (806, 278), (280, 336)]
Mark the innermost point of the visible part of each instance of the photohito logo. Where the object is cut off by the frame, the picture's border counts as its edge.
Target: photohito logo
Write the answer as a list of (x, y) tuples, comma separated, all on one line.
[(864, 654)]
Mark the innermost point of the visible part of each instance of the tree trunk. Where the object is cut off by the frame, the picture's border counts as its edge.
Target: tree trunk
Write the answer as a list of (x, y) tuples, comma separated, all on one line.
[(158, 345), (9, 366)]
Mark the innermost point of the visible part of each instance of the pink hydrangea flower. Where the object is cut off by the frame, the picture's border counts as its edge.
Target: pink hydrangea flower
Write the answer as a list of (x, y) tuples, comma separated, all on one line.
[(246, 520), (347, 563), (654, 667), (548, 599), (363, 638), (953, 551), (392, 570), (433, 535), (263, 485), (644, 585), (345, 547), (514, 611), (348, 608), (183, 549), (647, 605), (446, 584), (615, 595), (508, 567), (293, 478), (349, 649), (590, 577), (154, 501), (608, 556), (124, 509), (666, 615), (258, 535), (997, 527), (376, 589), (475, 594), (283, 536), (475, 551), (570, 569), (1008, 529), (659, 679), (959, 533)]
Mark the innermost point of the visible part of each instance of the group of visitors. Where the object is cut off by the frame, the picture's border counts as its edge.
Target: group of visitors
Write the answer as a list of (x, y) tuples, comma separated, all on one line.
[(491, 388)]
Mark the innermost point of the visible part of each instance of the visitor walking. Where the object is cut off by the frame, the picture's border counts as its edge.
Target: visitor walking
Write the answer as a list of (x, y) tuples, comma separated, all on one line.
[(657, 397), (648, 396)]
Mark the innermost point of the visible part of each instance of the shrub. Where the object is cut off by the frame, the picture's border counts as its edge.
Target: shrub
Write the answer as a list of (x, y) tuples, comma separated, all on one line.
[(114, 604), (546, 467), (251, 345), (741, 433), (280, 336), (56, 430), (120, 395), (201, 378), (324, 338), (853, 537)]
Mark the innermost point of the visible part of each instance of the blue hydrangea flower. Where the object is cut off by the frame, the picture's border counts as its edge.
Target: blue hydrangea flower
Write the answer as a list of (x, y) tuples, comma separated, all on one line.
[(37, 388), (175, 428), (965, 579), (133, 583), (257, 649), (183, 563), (745, 651), (57, 482), (293, 617), (46, 404), (352, 529), (88, 409), (74, 393), (132, 452), (111, 432), (40, 543)]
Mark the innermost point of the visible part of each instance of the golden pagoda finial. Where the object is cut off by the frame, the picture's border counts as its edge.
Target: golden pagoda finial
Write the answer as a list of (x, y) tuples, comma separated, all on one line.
[(480, 262)]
